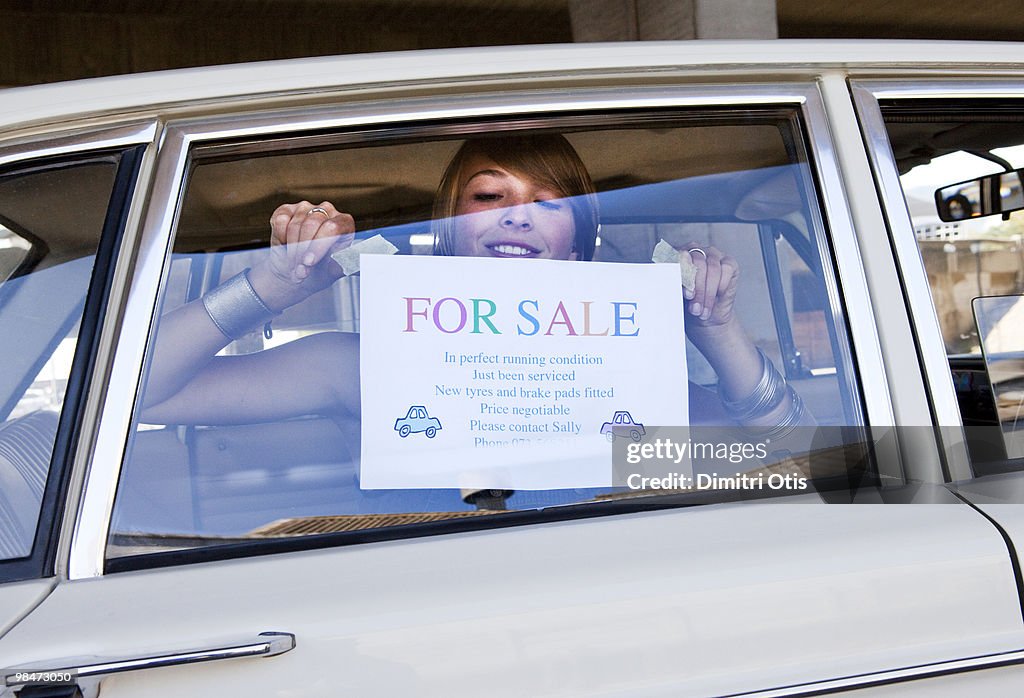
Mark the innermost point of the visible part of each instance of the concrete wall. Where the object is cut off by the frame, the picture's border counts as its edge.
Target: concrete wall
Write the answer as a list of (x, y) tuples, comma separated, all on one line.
[(654, 20)]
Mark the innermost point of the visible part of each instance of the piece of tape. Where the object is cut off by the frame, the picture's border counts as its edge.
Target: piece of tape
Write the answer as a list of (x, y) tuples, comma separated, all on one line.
[(664, 252), (348, 258)]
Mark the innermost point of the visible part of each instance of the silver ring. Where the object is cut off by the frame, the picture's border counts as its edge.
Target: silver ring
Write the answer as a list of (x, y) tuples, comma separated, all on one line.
[(318, 209), (698, 250)]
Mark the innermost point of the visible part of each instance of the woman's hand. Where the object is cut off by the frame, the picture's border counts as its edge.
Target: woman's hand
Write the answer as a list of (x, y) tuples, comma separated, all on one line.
[(712, 301), (712, 326), (303, 237)]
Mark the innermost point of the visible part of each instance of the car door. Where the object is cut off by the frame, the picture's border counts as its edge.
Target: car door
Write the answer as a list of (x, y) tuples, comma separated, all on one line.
[(215, 554)]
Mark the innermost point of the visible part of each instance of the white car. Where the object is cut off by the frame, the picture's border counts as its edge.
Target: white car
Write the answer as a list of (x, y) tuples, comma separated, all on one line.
[(239, 537)]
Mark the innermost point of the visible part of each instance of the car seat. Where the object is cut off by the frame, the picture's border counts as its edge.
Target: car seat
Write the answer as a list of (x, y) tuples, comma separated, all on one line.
[(26, 445)]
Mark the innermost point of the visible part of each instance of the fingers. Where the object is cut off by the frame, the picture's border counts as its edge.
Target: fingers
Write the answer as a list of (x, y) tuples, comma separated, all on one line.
[(715, 283), (334, 233), (308, 232), (302, 226), (279, 223), (726, 297)]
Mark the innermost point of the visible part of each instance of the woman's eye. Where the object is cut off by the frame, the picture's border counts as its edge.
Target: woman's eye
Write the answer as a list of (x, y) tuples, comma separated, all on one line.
[(551, 205), (486, 196)]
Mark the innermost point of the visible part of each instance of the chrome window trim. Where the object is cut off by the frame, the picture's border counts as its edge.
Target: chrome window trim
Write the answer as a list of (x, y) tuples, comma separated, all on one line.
[(895, 676), (847, 258), (921, 458), (401, 110), (930, 345), (108, 345), (155, 241), (35, 148), (936, 88), (85, 556)]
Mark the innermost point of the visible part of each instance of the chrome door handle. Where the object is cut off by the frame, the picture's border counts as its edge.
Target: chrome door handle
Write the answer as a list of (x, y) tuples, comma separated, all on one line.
[(68, 671)]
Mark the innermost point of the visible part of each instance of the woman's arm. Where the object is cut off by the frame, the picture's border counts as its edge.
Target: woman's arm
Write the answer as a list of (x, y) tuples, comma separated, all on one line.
[(186, 376), (318, 374), (713, 327)]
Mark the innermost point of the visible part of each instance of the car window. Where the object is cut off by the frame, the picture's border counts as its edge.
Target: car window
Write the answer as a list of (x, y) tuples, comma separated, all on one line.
[(425, 378), (51, 218), (968, 252)]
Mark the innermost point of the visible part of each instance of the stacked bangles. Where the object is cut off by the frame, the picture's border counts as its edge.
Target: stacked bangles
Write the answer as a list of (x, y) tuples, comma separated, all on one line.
[(767, 395)]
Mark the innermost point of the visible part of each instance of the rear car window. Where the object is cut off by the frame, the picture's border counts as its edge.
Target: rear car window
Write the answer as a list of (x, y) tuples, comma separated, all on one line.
[(505, 346)]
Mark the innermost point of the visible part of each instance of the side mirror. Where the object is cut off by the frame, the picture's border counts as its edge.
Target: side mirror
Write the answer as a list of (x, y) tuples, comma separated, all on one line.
[(984, 196)]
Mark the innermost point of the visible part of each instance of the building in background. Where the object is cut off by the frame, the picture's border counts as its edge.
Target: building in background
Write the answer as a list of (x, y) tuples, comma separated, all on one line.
[(47, 41)]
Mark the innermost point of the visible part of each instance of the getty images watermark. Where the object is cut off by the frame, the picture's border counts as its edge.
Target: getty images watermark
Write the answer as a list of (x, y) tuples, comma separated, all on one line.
[(684, 458)]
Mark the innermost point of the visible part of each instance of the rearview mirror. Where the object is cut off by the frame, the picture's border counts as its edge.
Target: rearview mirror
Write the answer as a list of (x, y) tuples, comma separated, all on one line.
[(984, 196)]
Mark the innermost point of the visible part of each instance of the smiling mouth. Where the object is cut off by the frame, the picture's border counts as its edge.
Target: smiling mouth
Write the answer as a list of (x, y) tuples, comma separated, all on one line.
[(510, 250)]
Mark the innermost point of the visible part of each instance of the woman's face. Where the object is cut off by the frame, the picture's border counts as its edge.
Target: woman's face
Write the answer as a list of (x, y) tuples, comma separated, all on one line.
[(501, 214)]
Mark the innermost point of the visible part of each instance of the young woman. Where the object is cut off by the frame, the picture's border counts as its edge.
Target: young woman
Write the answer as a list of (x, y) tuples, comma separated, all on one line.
[(514, 196)]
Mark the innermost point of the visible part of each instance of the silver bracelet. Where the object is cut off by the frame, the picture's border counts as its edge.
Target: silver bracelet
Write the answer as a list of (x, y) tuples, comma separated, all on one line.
[(235, 308), (767, 394), (794, 415)]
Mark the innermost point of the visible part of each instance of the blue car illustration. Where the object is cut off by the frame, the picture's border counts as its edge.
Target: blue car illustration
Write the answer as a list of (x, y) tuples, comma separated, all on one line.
[(417, 420), (622, 424)]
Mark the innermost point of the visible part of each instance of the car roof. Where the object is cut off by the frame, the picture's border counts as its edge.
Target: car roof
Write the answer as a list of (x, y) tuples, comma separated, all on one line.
[(268, 81)]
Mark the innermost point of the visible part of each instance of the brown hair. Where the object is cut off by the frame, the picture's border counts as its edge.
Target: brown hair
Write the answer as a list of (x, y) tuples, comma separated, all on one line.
[(547, 159)]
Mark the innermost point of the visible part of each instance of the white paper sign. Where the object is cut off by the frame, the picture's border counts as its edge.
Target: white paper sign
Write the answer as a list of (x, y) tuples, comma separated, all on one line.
[(513, 374)]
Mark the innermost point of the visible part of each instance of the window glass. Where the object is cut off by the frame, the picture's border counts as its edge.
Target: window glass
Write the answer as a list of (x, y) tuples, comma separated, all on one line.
[(506, 337), (51, 218), (947, 156)]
